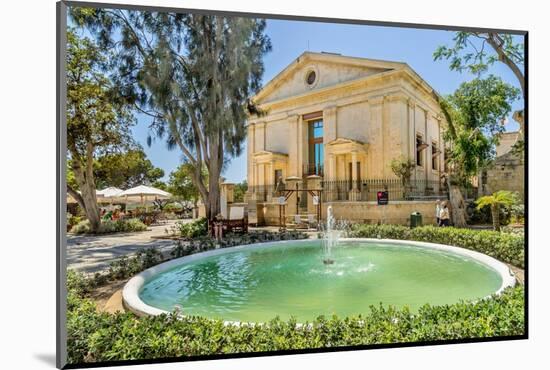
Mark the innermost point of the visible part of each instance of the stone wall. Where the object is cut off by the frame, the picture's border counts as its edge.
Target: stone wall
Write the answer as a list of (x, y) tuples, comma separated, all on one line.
[(508, 173), (397, 212)]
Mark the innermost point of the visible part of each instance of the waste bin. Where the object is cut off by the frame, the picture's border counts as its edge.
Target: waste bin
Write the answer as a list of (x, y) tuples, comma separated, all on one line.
[(416, 219)]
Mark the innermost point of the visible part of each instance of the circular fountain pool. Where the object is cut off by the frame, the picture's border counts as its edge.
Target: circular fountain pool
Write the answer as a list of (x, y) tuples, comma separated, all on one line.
[(258, 282)]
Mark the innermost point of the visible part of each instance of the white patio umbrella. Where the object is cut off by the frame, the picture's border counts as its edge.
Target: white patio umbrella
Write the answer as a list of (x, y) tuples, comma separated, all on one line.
[(111, 195), (110, 192), (143, 192)]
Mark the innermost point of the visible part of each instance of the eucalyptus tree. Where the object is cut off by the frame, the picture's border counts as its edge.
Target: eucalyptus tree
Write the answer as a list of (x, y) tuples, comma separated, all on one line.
[(472, 52), (193, 75), (475, 52), (97, 120), (475, 113)]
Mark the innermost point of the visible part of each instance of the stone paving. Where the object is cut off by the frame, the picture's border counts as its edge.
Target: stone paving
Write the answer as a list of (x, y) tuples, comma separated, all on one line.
[(94, 253)]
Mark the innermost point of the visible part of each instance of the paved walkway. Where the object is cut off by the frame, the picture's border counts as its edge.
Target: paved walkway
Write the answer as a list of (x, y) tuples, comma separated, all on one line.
[(94, 253)]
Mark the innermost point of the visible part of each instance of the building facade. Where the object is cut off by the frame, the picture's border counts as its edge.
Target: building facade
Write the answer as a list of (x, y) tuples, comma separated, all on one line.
[(335, 123), (508, 169)]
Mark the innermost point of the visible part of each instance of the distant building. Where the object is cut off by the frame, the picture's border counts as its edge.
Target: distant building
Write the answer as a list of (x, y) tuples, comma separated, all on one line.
[(335, 123), (508, 170)]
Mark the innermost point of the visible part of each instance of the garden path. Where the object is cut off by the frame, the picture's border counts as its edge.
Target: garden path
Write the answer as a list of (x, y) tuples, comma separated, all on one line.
[(91, 253)]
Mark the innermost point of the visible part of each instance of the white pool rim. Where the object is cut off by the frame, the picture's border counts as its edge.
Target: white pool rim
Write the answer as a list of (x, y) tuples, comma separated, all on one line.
[(132, 301)]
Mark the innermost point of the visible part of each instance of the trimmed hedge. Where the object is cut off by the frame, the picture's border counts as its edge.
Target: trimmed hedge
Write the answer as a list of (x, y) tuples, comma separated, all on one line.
[(110, 226), (205, 243), (94, 336), (191, 229), (505, 247)]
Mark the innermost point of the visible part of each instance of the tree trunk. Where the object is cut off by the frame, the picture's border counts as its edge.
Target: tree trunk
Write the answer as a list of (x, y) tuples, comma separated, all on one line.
[(495, 215), (195, 208), (86, 183), (458, 211)]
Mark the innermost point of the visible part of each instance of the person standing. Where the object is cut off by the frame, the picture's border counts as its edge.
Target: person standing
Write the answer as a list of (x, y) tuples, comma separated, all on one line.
[(437, 212), (444, 215)]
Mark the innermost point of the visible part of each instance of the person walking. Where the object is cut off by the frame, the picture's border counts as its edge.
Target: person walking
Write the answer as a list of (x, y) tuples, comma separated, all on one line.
[(437, 212), (444, 216)]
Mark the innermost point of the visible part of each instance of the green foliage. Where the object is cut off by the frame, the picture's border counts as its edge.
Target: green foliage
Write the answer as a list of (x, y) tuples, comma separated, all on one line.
[(476, 111), (502, 198), (94, 336), (402, 168), (193, 74), (192, 229), (98, 118), (126, 267), (204, 243), (72, 220), (518, 213), (181, 185), (239, 191), (110, 226), (483, 216), (125, 169), (469, 51), (502, 246)]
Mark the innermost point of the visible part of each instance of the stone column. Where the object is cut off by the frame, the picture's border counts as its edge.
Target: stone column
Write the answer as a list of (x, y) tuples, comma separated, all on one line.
[(354, 190), (292, 183), (293, 148), (313, 183), (270, 180), (330, 131), (260, 136), (332, 164)]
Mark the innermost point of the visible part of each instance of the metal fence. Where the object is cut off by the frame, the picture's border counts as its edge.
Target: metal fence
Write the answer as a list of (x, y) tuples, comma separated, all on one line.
[(360, 190), (366, 190)]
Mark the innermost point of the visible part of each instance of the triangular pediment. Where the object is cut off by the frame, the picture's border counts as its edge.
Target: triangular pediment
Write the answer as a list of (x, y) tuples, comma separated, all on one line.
[(328, 69)]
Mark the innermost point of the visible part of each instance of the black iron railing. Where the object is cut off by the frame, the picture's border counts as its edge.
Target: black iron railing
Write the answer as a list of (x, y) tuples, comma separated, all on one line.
[(360, 190), (366, 190)]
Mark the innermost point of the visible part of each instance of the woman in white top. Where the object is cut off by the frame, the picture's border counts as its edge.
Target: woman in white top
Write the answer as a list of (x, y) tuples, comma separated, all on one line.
[(444, 215), (437, 212)]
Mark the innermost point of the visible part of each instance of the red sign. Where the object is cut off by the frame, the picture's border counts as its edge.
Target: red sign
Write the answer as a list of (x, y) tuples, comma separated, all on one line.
[(382, 197)]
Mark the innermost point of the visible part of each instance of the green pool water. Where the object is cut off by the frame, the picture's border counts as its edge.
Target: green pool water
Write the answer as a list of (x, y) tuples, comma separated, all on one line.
[(287, 280)]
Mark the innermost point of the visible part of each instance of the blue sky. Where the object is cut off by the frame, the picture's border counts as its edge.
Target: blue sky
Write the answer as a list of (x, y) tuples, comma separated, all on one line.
[(291, 38)]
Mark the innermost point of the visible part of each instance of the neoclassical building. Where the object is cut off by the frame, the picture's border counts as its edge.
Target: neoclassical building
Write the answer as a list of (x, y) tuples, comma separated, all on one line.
[(332, 119)]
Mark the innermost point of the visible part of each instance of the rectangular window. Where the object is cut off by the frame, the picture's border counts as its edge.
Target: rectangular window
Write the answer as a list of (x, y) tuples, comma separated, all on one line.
[(435, 156), (419, 148), (316, 148)]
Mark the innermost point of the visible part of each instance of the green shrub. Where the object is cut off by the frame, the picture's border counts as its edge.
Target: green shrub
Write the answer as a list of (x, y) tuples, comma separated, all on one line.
[(130, 225), (192, 229), (72, 220), (94, 336), (125, 266), (83, 227), (205, 243), (506, 247), (110, 226)]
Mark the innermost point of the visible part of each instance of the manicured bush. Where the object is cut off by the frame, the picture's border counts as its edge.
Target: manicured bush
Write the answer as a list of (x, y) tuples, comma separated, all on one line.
[(204, 243), (191, 229), (125, 266), (110, 226), (94, 336), (503, 246)]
